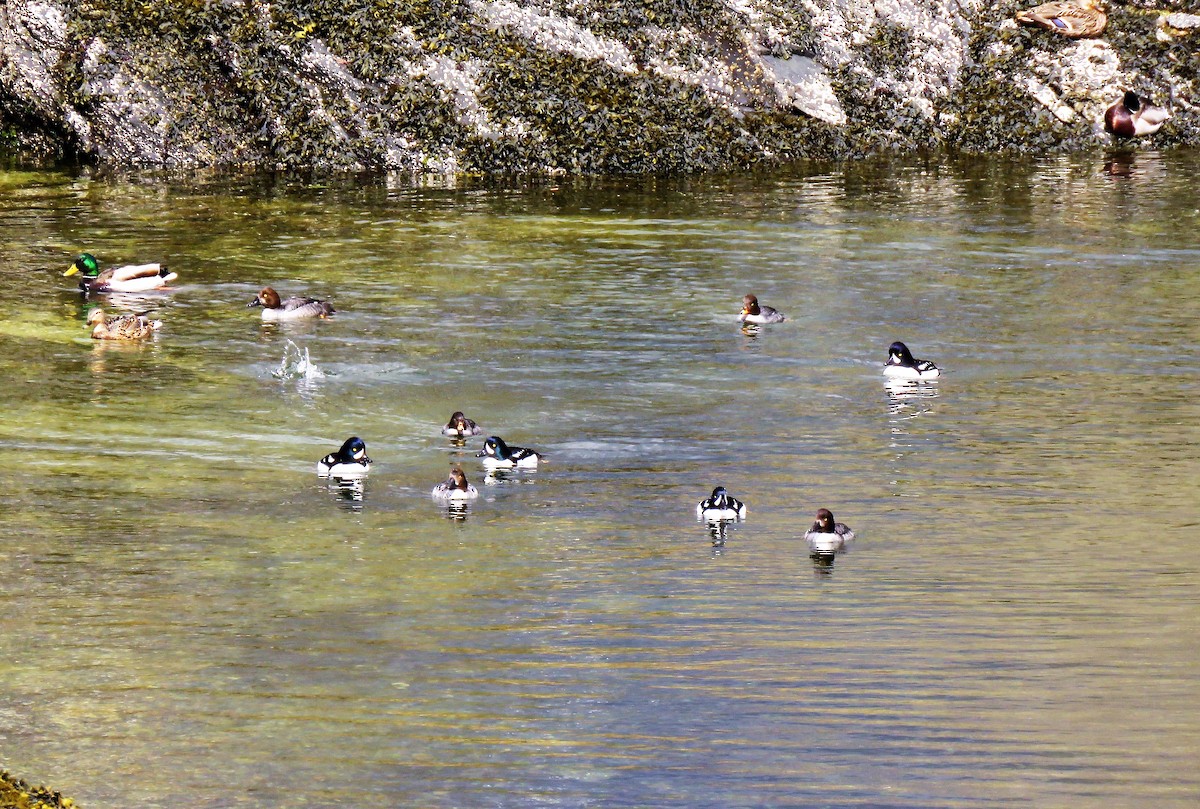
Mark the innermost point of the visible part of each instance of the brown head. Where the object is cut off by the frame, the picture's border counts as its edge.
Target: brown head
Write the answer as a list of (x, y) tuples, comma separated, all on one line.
[(96, 316), (457, 479), (267, 298), (458, 421), (750, 305), (825, 519), (1118, 119)]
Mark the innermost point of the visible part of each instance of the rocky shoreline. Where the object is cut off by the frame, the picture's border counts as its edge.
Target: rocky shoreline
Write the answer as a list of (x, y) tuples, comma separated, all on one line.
[(16, 794), (553, 87)]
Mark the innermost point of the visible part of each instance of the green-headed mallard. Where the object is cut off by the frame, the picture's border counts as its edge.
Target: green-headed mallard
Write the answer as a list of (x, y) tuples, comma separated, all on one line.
[(131, 278), (1133, 116), (122, 327), (1083, 18)]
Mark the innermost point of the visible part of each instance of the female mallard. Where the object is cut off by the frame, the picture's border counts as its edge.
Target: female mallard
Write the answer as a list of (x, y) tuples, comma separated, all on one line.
[(1132, 116), (752, 312), (290, 309), (122, 327), (131, 278), (1083, 18)]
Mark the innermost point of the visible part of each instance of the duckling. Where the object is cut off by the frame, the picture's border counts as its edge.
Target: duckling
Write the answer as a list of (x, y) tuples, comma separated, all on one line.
[(455, 487), (498, 455), (827, 536), (290, 309), (350, 461), (460, 426), (122, 327), (720, 507), (1083, 18), (1131, 116), (131, 278), (901, 365), (752, 312)]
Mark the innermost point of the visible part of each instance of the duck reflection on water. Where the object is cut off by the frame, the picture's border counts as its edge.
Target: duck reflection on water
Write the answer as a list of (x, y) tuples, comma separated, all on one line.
[(350, 493)]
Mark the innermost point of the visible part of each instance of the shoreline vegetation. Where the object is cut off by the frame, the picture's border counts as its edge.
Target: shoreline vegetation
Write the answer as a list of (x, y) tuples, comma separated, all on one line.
[(18, 794)]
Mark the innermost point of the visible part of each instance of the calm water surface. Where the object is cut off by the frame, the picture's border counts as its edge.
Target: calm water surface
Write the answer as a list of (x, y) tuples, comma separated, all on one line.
[(191, 618)]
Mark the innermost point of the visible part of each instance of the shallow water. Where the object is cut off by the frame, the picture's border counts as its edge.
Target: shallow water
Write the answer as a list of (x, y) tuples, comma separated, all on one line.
[(193, 618)]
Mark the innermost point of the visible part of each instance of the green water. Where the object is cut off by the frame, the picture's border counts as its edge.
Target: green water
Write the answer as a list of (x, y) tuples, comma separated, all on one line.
[(192, 618)]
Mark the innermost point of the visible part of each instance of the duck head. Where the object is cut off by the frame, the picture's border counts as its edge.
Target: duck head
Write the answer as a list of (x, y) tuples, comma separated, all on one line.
[(268, 298), (898, 354), (458, 421), (825, 523), (95, 316), (750, 305), (355, 449), (457, 480), (718, 497), (85, 264), (494, 447)]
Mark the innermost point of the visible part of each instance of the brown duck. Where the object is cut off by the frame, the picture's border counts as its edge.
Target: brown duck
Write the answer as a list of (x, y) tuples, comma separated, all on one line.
[(1083, 18)]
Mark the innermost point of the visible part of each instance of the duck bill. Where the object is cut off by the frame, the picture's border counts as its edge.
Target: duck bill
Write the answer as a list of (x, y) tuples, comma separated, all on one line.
[(72, 270), (253, 303)]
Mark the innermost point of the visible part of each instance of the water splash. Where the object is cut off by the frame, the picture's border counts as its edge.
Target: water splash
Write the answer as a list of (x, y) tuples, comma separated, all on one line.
[(297, 364)]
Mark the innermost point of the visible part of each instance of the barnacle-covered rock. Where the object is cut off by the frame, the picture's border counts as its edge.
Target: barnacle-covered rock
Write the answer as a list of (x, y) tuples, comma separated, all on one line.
[(569, 86)]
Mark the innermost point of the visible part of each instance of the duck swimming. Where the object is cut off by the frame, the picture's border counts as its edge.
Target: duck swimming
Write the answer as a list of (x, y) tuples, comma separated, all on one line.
[(1083, 18), (498, 455), (827, 536), (122, 327), (350, 461), (1132, 116), (455, 487), (720, 507), (752, 312), (460, 426), (901, 364), (130, 278), (291, 308)]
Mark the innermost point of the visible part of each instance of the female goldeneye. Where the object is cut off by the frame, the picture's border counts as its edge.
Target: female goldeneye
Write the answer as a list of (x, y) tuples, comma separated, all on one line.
[(753, 313), (498, 455), (350, 461), (290, 309), (460, 426), (131, 278), (455, 487), (721, 506), (901, 365), (122, 327), (1131, 117), (827, 536)]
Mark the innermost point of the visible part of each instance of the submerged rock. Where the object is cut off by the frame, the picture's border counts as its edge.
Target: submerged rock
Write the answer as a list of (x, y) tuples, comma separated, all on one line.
[(591, 86)]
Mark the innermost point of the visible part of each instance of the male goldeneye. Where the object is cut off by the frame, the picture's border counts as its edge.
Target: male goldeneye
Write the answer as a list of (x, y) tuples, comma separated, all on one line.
[(752, 312), (827, 536), (901, 365), (130, 278), (460, 426), (350, 461), (121, 327), (721, 506), (498, 455), (290, 309), (455, 487)]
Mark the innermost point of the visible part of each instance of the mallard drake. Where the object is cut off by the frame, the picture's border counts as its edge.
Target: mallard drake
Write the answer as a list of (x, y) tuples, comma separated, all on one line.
[(720, 507), (122, 327), (901, 364), (826, 535), (460, 426), (290, 309), (350, 461), (498, 455), (1083, 18), (455, 487), (752, 312), (130, 278), (1132, 116)]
